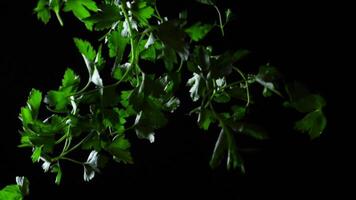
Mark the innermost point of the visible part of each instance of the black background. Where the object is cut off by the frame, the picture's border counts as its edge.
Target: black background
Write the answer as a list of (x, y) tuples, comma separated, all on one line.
[(299, 37)]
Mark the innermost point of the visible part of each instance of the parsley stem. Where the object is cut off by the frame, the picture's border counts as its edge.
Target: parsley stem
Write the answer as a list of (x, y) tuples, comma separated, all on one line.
[(247, 87), (158, 15), (72, 160), (59, 18), (220, 21), (75, 146), (127, 19)]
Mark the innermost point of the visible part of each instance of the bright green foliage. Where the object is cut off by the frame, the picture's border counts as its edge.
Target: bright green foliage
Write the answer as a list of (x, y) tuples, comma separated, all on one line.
[(105, 18), (205, 118), (117, 45), (43, 11), (11, 192), (57, 169), (61, 99), (81, 9), (198, 31), (96, 117), (120, 148), (86, 49), (15, 192), (142, 11), (36, 154)]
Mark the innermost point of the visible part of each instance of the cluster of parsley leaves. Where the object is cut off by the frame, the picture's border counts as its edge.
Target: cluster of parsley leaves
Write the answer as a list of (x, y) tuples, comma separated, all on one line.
[(95, 115)]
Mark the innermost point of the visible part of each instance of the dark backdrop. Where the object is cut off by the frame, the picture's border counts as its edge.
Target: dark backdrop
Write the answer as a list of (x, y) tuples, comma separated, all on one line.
[(296, 36)]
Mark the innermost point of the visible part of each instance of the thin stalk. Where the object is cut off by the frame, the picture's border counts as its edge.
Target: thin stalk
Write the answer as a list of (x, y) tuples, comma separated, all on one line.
[(220, 21), (247, 87), (72, 160)]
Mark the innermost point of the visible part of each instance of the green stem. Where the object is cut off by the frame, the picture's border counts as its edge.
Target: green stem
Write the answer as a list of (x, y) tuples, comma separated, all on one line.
[(220, 21), (180, 65), (217, 117), (127, 19), (212, 94), (158, 15), (59, 18), (233, 84), (76, 146), (247, 87), (61, 139), (72, 160)]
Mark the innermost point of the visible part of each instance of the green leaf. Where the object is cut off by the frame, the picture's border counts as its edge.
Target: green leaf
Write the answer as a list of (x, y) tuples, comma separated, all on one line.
[(106, 17), (237, 93), (234, 159), (174, 83), (169, 58), (57, 169), (26, 116), (228, 15), (314, 123), (61, 99), (251, 130), (225, 144), (99, 60), (93, 142), (222, 97), (150, 55), (58, 99), (43, 11), (117, 45), (173, 36), (149, 119), (199, 61), (34, 102), (205, 118), (119, 71), (268, 73), (198, 31), (11, 192), (36, 154), (296, 91), (222, 66), (70, 79), (86, 49), (239, 112), (81, 9), (148, 50), (24, 185), (142, 11), (308, 103), (219, 150), (120, 149)]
